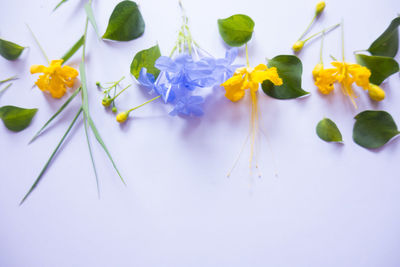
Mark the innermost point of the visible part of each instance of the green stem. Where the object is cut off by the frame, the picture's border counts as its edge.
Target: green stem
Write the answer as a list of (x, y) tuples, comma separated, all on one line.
[(51, 157), (9, 79), (247, 56), (326, 30), (112, 99), (342, 28), (308, 27), (5, 88), (321, 48), (37, 42), (151, 100)]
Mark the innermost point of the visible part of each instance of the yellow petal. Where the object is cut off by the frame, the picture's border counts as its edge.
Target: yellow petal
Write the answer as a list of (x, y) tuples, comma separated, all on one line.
[(38, 69)]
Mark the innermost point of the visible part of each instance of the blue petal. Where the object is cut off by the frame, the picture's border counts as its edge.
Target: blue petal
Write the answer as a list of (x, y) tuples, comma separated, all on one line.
[(166, 64), (231, 55), (146, 79)]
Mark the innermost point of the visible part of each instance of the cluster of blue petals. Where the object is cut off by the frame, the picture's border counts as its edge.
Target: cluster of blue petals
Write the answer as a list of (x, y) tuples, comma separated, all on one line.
[(181, 77)]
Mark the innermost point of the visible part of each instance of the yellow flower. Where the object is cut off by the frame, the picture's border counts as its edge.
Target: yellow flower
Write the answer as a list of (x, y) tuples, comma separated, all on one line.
[(375, 92), (55, 78), (317, 70), (346, 74), (249, 78)]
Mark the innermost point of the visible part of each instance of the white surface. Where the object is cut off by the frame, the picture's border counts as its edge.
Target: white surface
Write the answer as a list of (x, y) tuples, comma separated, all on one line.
[(331, 205)]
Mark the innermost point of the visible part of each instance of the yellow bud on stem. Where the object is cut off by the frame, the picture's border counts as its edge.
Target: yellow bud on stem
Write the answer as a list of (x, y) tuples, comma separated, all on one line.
[(297, 46), (375, 92), (320, 7), (122, 117), (317, 70)]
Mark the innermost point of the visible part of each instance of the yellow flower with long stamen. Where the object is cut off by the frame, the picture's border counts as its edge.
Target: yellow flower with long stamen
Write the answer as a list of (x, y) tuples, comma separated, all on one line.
[(345, 74), (55, 78)]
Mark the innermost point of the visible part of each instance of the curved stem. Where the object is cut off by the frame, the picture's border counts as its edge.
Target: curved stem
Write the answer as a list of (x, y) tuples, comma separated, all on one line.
[(141, 105), (308, 27)]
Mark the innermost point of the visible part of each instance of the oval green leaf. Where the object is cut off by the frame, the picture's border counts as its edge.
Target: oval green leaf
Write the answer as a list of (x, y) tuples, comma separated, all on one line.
[(236, 30), (387, 43), (146, 58), (328, 131), (16, 119), (290, 70), (126, 22), (380, 67), (373, 128), (10, 50)]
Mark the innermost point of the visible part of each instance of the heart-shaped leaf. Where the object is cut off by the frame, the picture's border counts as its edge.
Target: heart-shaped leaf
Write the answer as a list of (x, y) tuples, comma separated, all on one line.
[(236, 30), (16, 119), (374, 128), (328, 131), (387, 43), (10, 50), (380, 67), (146, 58), (289, 69), (126, 22)]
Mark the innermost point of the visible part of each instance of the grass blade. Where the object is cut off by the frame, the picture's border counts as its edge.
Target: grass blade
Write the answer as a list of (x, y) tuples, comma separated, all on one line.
[(90, 15), (91, 155), (73, 49), (101, 142), (56, 114), (51, 157), (59, 4), (85, 104)]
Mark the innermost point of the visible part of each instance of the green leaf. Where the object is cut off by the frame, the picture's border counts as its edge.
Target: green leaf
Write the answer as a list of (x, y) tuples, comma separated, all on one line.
[(289, 69), (17, 119), (40, 176), (126, 22), (146, 58), (328, 131), (90, 15), (380, 67), (373, 128), (387, 43), (10, 50), (91, 154), (236, 30), (59, 4), (73, 49), (56, 114)]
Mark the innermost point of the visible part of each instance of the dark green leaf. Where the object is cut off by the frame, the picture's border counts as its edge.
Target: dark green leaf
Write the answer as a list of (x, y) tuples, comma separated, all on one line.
[(236, 30), (17, 119), (73, 49), (146, 58), (328, 131), (289, 69), (126, 22), (380, 67), (387, 43), (56, 114), (59, 4), (51, 157), (90, 15), (373, 128), (10, 50)]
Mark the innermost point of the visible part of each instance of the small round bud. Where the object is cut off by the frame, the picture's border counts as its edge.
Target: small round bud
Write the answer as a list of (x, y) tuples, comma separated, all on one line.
[(114, 109), (122, 117), (97, 83), (375, 92), (298, 46), (320, 7), (317, 70), (106, 101)]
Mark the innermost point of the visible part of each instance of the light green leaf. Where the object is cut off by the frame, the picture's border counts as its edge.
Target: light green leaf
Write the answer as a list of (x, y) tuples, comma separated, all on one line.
[(10, 50), (73, 49), (328, 131), (236, 30), (126, 22), (146, 59), (380, 67), (374, 128), (387, 43), (59, 4), (51, 157), (17, 119), (91, 154), (90, 15), (290, 70), (56, 114)]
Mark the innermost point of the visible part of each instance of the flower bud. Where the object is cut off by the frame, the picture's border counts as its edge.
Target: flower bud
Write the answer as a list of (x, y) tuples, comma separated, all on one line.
[(97, 83), (106, 101), (320, 7), (114, 109), (122, 117), (317, 70), (298, 46), (375, 92)]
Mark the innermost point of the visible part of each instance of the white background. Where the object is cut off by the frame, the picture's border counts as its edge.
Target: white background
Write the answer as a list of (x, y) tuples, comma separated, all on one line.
[(330, 205)]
